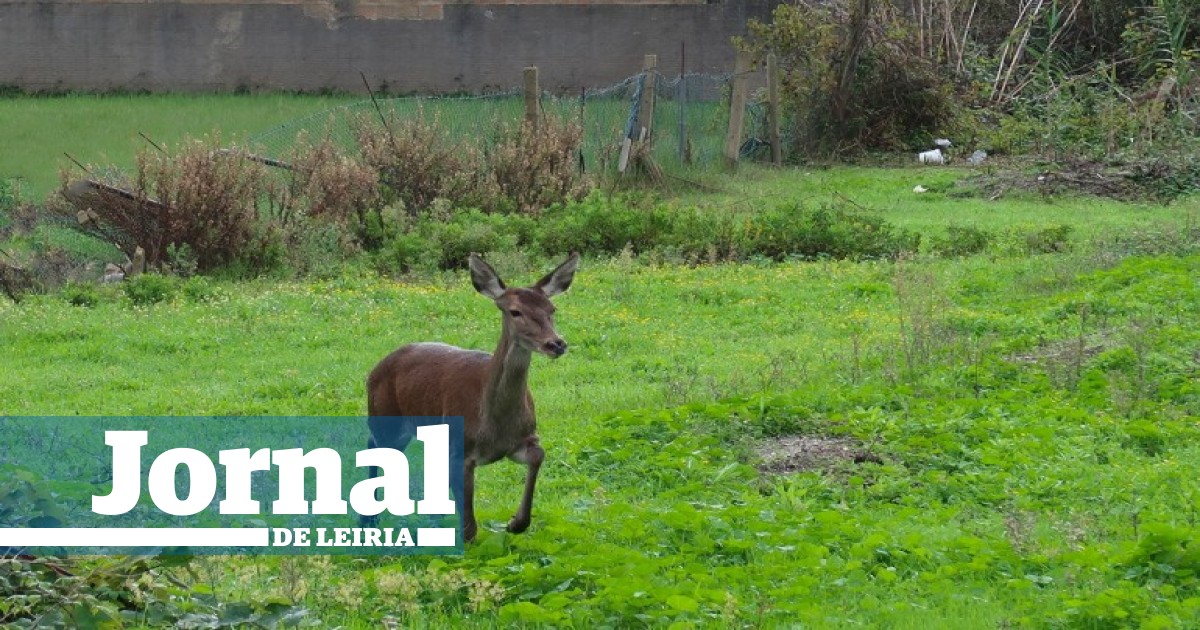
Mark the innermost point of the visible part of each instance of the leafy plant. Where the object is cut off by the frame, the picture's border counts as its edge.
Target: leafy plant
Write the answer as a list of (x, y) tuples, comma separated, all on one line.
[(149, 288)]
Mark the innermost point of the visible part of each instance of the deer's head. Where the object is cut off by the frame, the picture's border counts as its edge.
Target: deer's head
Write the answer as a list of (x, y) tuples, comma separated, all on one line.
[(528, 313)]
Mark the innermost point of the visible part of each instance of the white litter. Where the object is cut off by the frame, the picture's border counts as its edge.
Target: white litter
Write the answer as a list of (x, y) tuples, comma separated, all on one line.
[(919, 189), (931, 157)]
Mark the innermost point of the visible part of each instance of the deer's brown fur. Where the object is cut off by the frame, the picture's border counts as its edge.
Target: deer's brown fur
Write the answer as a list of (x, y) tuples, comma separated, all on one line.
[(489, 391)]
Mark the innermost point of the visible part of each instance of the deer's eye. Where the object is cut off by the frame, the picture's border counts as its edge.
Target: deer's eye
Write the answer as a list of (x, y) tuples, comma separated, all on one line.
[(515, 313)]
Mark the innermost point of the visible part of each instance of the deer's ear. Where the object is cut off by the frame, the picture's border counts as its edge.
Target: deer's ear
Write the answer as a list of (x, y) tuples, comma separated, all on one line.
[(559, 280), (484, 278)]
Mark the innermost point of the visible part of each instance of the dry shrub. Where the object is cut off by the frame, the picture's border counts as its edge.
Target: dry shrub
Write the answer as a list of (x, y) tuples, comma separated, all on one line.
[(534, 167), (334, 186), (522, 169), (195, 195), (415, 161)]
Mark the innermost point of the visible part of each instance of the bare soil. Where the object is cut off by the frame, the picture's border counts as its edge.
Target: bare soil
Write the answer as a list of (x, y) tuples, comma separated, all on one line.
[(810, 453)]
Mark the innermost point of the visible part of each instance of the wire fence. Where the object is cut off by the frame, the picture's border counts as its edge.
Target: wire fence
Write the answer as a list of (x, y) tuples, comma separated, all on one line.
[(688, 131)]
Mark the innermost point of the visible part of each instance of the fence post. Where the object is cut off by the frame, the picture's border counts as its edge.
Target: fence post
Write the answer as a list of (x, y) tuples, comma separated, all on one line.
[(773, 110), (532, 96), (646, 107), (737, 109), (681, 96)]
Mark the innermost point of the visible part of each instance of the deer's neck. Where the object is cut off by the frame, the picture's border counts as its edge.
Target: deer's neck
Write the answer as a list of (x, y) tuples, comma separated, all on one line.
[(508, 378)]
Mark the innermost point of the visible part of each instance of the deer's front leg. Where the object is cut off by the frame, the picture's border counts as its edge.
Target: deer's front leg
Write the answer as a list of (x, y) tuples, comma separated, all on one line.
[(532, 456), (468, 502)]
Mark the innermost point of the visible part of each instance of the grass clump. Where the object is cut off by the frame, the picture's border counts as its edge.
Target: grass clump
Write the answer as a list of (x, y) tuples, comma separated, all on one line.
[(150, 288)]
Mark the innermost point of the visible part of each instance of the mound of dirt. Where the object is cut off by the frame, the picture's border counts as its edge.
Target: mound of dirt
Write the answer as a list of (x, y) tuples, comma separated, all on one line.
[(810, 453)]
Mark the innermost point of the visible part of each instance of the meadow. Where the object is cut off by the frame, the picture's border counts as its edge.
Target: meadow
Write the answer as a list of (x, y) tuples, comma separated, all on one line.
[(1002, 439), (103, 129), (1030, 427)]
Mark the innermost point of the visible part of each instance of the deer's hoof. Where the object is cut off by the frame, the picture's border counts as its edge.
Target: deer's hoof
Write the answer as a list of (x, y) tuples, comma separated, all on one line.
[(518, 525)]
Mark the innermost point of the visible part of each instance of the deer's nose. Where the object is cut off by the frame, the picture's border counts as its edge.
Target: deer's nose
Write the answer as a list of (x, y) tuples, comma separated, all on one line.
[(558, 347)]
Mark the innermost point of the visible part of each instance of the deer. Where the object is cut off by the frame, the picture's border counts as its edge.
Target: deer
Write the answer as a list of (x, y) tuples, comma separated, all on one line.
[(489, 391)]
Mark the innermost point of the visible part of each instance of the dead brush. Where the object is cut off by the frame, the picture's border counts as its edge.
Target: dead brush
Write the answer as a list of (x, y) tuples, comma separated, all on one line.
[(194, 195), (536, 166), (414, 160), (328, 184)]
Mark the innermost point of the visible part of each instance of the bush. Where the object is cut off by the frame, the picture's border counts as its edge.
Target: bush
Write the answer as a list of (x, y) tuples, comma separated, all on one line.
[(197, 195), (414, 160), (536, 167), (891, 97), (329, 186), (81, 294), (608, 225), (199, 290), (602, 224), (518, 169), (1028, 241), (149, 288), (961, 241), (1049, 240), (793, 230)]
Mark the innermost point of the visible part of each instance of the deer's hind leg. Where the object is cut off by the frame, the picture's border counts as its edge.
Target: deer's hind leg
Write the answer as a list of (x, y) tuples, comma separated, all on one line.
[(383, 434)]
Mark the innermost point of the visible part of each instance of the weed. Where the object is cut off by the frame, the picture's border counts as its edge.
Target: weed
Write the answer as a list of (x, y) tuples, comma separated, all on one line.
[(149, 288), (81, 294)]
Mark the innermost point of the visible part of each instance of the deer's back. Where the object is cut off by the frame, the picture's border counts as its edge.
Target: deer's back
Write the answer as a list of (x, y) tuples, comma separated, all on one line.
[(428, 379)]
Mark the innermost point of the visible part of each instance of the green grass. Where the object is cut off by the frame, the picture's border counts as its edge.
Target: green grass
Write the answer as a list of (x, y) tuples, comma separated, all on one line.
[(103, 129), (1035, 419), (949, 201)]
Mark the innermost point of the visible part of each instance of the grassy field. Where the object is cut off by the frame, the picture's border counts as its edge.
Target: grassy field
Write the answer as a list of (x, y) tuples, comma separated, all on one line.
[(1025, 429), (976, 442), (952, 199), (103, 129)]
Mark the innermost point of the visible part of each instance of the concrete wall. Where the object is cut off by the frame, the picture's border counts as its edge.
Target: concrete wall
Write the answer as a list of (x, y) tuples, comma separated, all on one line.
[(405, 45)]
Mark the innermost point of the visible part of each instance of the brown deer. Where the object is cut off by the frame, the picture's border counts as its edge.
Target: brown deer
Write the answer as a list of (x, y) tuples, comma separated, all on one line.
[(489, 391)]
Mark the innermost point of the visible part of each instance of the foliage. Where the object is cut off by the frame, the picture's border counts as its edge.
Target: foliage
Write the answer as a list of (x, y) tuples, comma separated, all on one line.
[(517, 168), (536, 167), (49, 592), (327, 185), (882, 96), (81, 294), (198, 196), (961, 241), (608, 225), (1038, 466), (416, 160), (149, 288)]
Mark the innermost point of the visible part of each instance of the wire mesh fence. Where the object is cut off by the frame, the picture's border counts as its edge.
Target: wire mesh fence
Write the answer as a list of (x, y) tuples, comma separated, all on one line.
[(688, 130)]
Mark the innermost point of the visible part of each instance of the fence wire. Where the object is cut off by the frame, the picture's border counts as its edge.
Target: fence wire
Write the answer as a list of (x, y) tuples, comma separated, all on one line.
[(688, 130)]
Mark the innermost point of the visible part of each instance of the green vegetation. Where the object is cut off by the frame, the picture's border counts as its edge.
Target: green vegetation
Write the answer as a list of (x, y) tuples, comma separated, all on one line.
[(834, 397), (103, 129), (1023, 426)]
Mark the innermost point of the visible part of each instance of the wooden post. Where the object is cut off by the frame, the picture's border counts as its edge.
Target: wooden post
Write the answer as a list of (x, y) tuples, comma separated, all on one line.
[(737, 109), (773, 110), (646, 107), (532, 96), (681, 96)]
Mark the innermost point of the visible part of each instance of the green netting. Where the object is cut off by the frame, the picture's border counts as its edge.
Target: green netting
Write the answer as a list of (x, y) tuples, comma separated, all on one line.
[(690, 120)]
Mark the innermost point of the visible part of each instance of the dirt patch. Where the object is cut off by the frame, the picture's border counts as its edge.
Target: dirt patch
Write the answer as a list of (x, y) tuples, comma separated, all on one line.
[(1125, 182), (1067, 352), (808, 453)]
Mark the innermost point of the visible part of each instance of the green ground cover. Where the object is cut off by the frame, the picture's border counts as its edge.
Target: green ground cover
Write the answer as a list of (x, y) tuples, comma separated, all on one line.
[(1003, 439), (1030, 424), (103, 129)]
